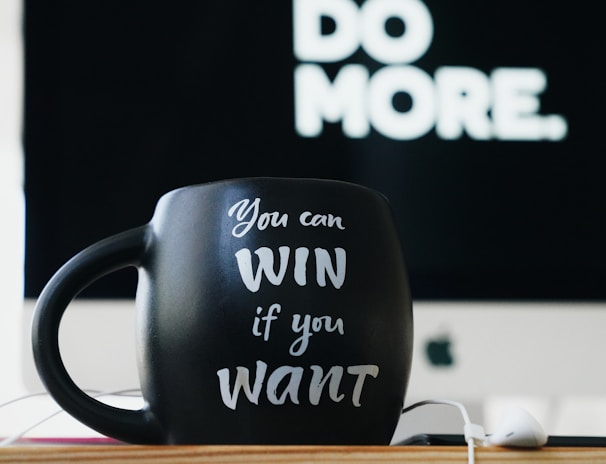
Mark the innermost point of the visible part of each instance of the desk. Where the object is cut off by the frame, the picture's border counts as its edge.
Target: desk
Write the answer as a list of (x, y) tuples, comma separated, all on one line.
[(289, 454)]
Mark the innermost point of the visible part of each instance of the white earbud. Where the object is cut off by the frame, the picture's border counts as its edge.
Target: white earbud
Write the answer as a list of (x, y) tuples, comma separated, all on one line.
[(518, 429)]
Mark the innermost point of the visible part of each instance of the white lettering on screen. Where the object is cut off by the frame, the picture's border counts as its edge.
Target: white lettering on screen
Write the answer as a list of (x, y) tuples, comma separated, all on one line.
[(456, 100)]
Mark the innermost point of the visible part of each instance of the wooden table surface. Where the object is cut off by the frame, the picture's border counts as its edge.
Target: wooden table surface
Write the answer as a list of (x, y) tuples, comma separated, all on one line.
[(289, 454)]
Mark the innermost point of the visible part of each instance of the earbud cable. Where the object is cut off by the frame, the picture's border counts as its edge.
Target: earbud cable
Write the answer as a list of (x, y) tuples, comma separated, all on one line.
[(94, 393), (473, 433)]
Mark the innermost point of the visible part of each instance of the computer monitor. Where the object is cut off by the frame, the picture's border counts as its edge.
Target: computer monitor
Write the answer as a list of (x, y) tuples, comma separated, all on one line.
[(480, 121)]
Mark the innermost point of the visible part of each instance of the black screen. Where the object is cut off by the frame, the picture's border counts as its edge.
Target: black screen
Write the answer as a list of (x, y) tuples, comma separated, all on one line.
[(480, 121)]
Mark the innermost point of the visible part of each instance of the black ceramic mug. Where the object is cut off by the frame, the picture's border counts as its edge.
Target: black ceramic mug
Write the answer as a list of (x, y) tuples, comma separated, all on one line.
[(269, 311)]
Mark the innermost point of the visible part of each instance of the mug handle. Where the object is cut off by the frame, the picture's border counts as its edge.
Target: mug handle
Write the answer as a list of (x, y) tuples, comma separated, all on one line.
[(113, 253)]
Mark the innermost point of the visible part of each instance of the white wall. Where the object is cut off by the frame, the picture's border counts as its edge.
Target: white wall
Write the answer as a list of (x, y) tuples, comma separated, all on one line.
[(11, 193)]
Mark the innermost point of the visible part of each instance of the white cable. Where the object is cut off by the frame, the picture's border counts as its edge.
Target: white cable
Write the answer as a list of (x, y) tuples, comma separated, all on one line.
[(446, 402), (94, 393), (21, 398), (471, 453), (473, 433)]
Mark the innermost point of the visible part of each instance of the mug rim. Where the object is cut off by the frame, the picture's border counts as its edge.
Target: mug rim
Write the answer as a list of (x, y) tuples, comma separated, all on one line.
[(307, 180)]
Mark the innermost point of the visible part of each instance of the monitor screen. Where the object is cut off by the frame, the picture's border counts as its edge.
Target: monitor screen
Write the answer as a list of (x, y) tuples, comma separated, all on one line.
[(480, 121)]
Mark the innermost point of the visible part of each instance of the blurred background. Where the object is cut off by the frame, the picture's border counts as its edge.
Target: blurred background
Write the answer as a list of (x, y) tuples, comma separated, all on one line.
[(481, 122)]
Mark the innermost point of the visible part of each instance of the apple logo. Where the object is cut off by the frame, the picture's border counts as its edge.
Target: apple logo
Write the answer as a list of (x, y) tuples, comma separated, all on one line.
[(438, 351)]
